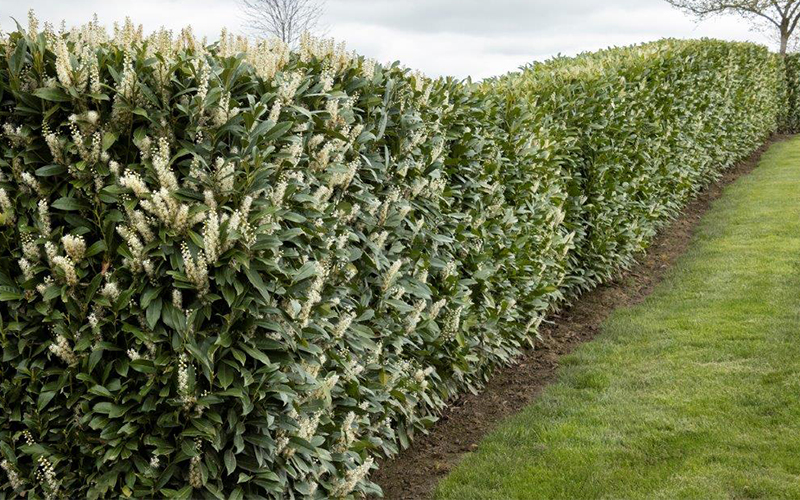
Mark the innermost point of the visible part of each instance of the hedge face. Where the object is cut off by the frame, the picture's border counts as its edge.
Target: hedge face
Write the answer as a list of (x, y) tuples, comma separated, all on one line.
[(238, 270), (253, 301), (792, 115), (649, 126)]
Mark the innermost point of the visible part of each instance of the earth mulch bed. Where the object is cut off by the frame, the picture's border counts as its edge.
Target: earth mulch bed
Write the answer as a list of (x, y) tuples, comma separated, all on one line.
[(414, 473)]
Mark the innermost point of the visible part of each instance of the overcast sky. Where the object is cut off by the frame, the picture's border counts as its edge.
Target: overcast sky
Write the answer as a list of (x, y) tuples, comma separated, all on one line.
[(475, 38)]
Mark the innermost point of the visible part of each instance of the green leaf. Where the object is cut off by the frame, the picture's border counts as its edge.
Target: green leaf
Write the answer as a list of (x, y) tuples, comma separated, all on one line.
[(153, 313), (96, 248), (6, 296), (225, 376), (44, 398), (109, 138), (99, 390), (278, 130), (117, 411), (256, 281), (230, 462), (17, 60), (200, 356), (143, 365), (308, 270), (184, 493), (255, 353), (52, 94), (69, 204), (50, 170), (104, 407)]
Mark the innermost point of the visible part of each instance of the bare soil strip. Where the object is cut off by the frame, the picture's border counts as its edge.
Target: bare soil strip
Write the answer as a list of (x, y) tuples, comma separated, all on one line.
[(415, 472)]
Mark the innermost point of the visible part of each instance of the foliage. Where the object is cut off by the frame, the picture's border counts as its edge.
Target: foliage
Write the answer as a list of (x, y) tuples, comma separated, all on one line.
[(792, 123), (240, 270), (648, 126), (683, 395)]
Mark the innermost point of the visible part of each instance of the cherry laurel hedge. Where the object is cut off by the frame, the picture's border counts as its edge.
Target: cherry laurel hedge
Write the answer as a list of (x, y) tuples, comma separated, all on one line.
[(235, 270), (791, 121)]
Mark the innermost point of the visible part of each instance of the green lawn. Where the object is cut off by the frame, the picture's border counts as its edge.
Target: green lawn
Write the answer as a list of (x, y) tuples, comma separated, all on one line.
[(693, 394)]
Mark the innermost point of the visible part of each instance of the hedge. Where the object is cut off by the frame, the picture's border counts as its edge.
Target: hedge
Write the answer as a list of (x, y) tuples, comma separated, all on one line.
[(646, 128), (236, 270), (792, 119)]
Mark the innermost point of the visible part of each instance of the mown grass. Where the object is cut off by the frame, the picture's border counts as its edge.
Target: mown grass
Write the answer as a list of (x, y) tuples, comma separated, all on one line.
[(693, 394)]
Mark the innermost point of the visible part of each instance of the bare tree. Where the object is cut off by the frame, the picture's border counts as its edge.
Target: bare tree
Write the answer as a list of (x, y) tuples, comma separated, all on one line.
[(284, 19), (782, 15)]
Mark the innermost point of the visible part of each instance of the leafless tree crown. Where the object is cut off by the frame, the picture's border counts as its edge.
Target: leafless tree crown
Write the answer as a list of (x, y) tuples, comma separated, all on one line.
[(284, 19), (781, 15)]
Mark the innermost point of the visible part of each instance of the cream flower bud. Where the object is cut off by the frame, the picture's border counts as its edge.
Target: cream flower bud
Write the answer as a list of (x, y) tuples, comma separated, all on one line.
[(211, 242), (134, 182), (63, 64), (51, 251), (44, 218), (225, 175), (31, 182), (391, 275), (196, 269), (13, 477), (75, 246), (110, 291), (160, 158), (436, 308), (5, 202), (343, 324), (344, 487), (63, 350), (66, 265)]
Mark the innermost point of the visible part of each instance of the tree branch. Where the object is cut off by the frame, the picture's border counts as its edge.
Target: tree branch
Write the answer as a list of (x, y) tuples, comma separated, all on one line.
[(283, 19)]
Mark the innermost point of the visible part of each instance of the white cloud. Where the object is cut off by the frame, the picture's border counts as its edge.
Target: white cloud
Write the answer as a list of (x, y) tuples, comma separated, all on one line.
[(475, 38)]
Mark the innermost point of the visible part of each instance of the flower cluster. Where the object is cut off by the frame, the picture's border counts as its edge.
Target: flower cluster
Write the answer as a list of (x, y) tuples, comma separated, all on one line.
[(195, 476), (75, 246), (63, 350), (13, 477), (352, 478), (46, 475), (196, 269)]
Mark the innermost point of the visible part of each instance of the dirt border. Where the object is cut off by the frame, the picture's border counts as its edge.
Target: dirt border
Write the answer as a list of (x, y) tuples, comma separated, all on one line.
[(415, 473)]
